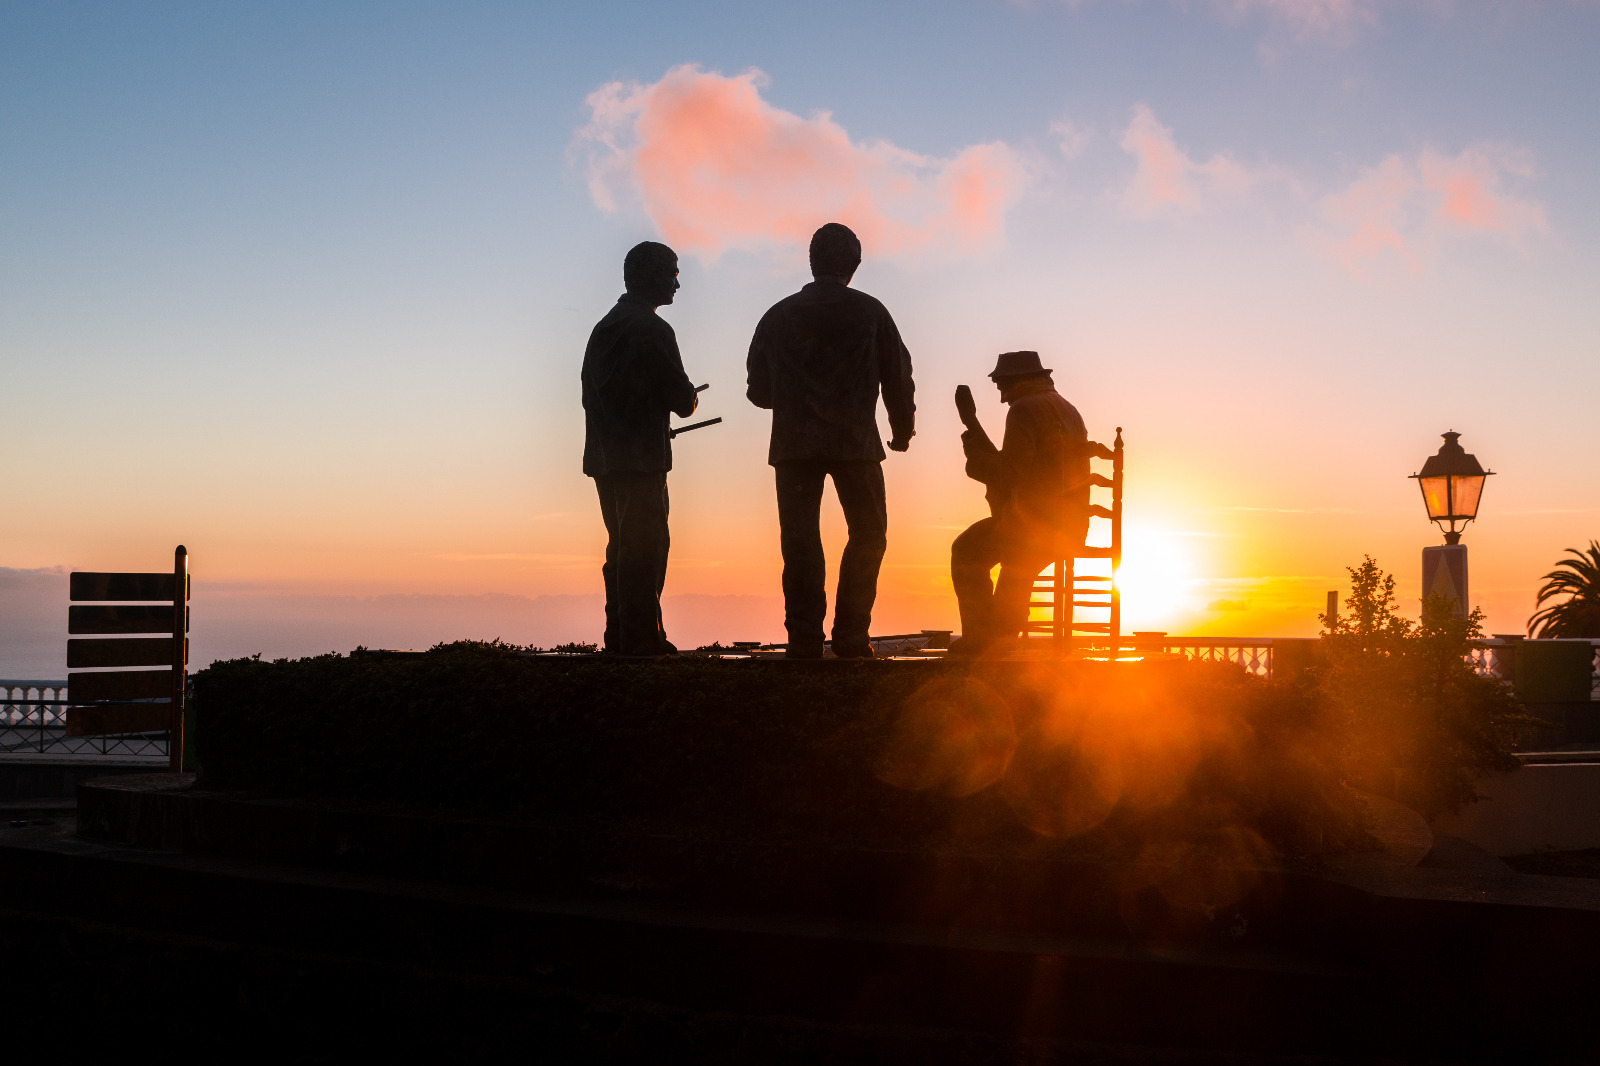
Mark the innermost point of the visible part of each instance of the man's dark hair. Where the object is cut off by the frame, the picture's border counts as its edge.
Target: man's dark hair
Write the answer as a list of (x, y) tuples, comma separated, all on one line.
[(645, 262), (835, 251)]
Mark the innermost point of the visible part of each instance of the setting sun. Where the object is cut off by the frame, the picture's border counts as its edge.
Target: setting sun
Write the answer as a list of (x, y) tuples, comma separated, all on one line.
[(1156, 579)]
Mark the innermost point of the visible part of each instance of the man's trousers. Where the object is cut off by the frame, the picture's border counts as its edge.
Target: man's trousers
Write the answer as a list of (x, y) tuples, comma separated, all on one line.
[(992, 611), (860, 488), (634, 508)]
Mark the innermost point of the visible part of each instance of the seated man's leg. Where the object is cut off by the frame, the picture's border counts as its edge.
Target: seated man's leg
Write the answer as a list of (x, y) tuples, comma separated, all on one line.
[(1014, 591), (800, 537), (972, 555), (641, 561), (866, 515)]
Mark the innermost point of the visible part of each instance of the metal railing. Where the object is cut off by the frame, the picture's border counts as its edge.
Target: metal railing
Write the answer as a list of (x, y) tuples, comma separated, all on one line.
[(33, 719)]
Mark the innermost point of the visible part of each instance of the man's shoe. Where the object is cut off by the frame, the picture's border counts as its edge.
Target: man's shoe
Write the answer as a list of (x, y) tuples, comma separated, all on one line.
[(966, 648), (854, 651), (667, 648), (803, 651)]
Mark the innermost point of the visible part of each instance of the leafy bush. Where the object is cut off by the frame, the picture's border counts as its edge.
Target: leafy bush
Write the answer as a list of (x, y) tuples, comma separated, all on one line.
[(1168, 761), (1412, 715)]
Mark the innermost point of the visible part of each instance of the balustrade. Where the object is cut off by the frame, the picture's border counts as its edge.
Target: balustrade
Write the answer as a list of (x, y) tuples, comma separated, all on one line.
[(1496, 658), (1255, 655), (33, 718)]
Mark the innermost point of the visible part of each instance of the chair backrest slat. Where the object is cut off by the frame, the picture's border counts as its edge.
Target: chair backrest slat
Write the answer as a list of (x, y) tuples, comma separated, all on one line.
[(1065, 583)]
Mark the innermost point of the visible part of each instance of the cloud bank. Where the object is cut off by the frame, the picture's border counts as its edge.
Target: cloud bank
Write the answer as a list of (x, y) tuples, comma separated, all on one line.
[(1397, 213), (1397, 210), (1311, 18), (715, 166), (1327, 20)]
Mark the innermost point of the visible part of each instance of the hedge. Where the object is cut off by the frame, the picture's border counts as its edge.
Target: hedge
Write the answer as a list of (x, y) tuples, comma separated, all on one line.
[(1124, 760)]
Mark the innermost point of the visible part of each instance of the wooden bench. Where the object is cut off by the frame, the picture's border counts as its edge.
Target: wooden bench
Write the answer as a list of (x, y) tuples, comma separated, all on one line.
[(105, 696)]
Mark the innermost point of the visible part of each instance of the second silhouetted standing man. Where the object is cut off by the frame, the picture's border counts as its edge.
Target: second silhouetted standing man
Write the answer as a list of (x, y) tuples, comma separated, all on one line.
[(818, 361)]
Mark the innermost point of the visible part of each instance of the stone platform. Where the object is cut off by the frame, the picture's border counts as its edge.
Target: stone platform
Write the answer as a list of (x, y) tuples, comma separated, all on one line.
[(307, 923)]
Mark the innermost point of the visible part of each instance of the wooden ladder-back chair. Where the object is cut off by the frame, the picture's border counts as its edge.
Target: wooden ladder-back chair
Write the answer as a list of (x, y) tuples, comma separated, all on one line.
[(1064, 586), (113, 700)]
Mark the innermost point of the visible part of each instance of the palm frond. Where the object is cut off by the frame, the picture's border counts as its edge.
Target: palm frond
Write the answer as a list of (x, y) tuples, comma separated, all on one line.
[(1578, 579)]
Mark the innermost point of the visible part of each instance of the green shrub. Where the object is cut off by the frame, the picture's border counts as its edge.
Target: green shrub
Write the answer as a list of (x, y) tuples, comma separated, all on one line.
[(1168, 761), (1413, 717)]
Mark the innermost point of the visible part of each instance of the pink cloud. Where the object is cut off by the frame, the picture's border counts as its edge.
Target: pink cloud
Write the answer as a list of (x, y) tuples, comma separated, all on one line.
[(1312, 18), (1071, 137), (1399, 209), (715, 166), (1470, 193), (1167, 179), (1374, 215), (1328, 20)]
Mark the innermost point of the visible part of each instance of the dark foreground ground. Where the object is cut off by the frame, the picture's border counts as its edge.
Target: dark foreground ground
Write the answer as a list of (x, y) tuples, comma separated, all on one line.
[(249, 929)]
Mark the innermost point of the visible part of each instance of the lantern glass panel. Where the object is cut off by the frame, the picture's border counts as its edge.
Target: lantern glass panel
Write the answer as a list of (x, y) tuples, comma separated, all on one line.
[(1465, 492), (1433, 494)]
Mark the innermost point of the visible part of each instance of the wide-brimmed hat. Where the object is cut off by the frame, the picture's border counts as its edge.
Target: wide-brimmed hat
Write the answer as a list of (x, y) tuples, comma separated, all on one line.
[(1017, 365)]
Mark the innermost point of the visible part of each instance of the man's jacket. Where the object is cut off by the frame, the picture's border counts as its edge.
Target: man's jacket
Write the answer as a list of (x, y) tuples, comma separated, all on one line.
[(633, 380), (1038, 479), (818, 361)]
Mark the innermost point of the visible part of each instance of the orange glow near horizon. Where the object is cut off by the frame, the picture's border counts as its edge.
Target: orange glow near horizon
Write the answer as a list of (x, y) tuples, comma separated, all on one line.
[(1206, 550)]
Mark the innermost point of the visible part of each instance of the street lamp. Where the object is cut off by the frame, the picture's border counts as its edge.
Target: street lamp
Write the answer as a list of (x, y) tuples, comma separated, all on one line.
[(1452, 486)]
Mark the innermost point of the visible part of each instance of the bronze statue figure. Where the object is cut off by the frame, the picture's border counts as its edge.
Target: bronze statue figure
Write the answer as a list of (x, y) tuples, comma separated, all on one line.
[(819, 360), (633, 379), (1037, 484)]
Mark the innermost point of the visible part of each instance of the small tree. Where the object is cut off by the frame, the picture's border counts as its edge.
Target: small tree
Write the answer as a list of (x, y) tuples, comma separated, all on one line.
[(1579, 614), (1413, 712)]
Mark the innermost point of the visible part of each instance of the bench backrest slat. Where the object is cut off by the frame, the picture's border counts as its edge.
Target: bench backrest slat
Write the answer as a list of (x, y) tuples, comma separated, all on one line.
[(121, 685), (123, 618), (119, 651), (90, 586)]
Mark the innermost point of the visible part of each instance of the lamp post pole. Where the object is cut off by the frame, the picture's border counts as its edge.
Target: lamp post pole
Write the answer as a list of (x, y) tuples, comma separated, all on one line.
[(1452, 485)]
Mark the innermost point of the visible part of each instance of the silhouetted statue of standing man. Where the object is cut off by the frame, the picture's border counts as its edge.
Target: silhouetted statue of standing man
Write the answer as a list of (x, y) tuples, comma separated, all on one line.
[(818, 361), (633, 380), (1037, 484)]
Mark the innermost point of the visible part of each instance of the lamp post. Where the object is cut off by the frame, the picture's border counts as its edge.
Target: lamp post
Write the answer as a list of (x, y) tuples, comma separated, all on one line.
[(1452, 486)]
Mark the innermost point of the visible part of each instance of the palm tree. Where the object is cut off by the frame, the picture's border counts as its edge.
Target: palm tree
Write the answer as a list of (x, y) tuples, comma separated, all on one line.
[(1579, 581)]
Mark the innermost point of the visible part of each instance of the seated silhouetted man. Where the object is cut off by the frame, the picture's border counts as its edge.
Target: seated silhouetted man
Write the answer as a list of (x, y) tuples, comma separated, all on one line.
[(1038, 491), (818, 360), (632, 380)]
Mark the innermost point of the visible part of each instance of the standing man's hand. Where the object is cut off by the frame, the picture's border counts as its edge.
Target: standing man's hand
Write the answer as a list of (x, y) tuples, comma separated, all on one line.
[(900, 444)]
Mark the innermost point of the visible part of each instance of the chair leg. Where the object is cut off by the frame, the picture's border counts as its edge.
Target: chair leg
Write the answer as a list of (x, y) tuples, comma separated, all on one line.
[(1065, 610)]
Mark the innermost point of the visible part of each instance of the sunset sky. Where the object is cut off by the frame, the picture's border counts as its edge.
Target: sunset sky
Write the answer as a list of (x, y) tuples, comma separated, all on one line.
[(306, 288)]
